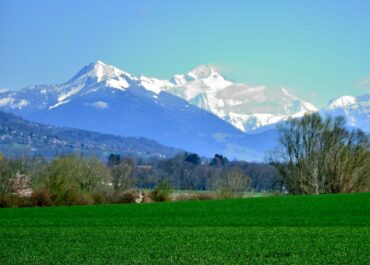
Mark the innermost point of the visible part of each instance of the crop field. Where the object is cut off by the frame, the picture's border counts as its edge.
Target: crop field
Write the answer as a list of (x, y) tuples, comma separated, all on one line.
[(325, 229)]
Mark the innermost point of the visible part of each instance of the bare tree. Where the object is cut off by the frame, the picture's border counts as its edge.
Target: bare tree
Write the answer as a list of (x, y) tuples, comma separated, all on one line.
[(231, 182), (91, 174), (72, 172), (318, 155), (122, 175), (5, 175)]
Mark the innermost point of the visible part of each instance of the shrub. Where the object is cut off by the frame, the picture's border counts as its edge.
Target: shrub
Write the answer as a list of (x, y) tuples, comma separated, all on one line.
[(25, 202), (162, 192), (86, 199), (125, 197), (41, 197), (99, 197), (8, 200), (69, 197), (147, 198)]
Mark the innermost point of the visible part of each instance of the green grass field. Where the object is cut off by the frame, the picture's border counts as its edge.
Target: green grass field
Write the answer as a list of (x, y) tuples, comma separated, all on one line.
[(326, 229)]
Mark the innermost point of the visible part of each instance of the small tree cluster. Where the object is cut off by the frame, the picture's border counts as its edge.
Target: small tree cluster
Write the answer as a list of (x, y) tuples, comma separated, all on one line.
[(66, 180), (190, 172), (319, 155), (121, 171), (229, 183)]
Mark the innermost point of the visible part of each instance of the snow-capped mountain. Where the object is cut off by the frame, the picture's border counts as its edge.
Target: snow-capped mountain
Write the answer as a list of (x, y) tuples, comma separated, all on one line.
[(200, 111), (90, 79), (356, 110), (106, 99), (248, 108), (254, 109)]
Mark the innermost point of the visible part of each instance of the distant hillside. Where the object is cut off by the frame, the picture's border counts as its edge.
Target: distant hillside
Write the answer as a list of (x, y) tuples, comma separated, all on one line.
[(22, 137)]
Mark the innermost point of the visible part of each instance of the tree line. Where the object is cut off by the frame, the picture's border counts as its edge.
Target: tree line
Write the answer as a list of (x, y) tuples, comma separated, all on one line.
[(73, 180)]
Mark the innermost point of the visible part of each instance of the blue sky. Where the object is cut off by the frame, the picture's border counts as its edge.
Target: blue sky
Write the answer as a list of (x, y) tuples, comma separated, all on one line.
[(317, 49)]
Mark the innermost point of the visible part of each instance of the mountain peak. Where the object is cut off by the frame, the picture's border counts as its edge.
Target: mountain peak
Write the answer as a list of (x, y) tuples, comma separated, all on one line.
[(342, 102), (98, 72), (203, 71), (98, 62), (104, 71)]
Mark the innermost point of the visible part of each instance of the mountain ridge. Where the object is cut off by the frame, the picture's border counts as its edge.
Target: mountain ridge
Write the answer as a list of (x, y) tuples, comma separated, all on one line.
[(20, 137)]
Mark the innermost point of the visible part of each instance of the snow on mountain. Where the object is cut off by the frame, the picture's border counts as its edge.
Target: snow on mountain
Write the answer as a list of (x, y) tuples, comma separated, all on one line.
[(153, 84), (356, 110), (248, 108), (99, 72), (12, 103), (253, 123), (94, 74), (90, 79), (201, 80), (342, 102)]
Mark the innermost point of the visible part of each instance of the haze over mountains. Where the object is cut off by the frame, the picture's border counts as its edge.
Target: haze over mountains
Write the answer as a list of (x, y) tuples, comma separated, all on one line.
[(200, 111)]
